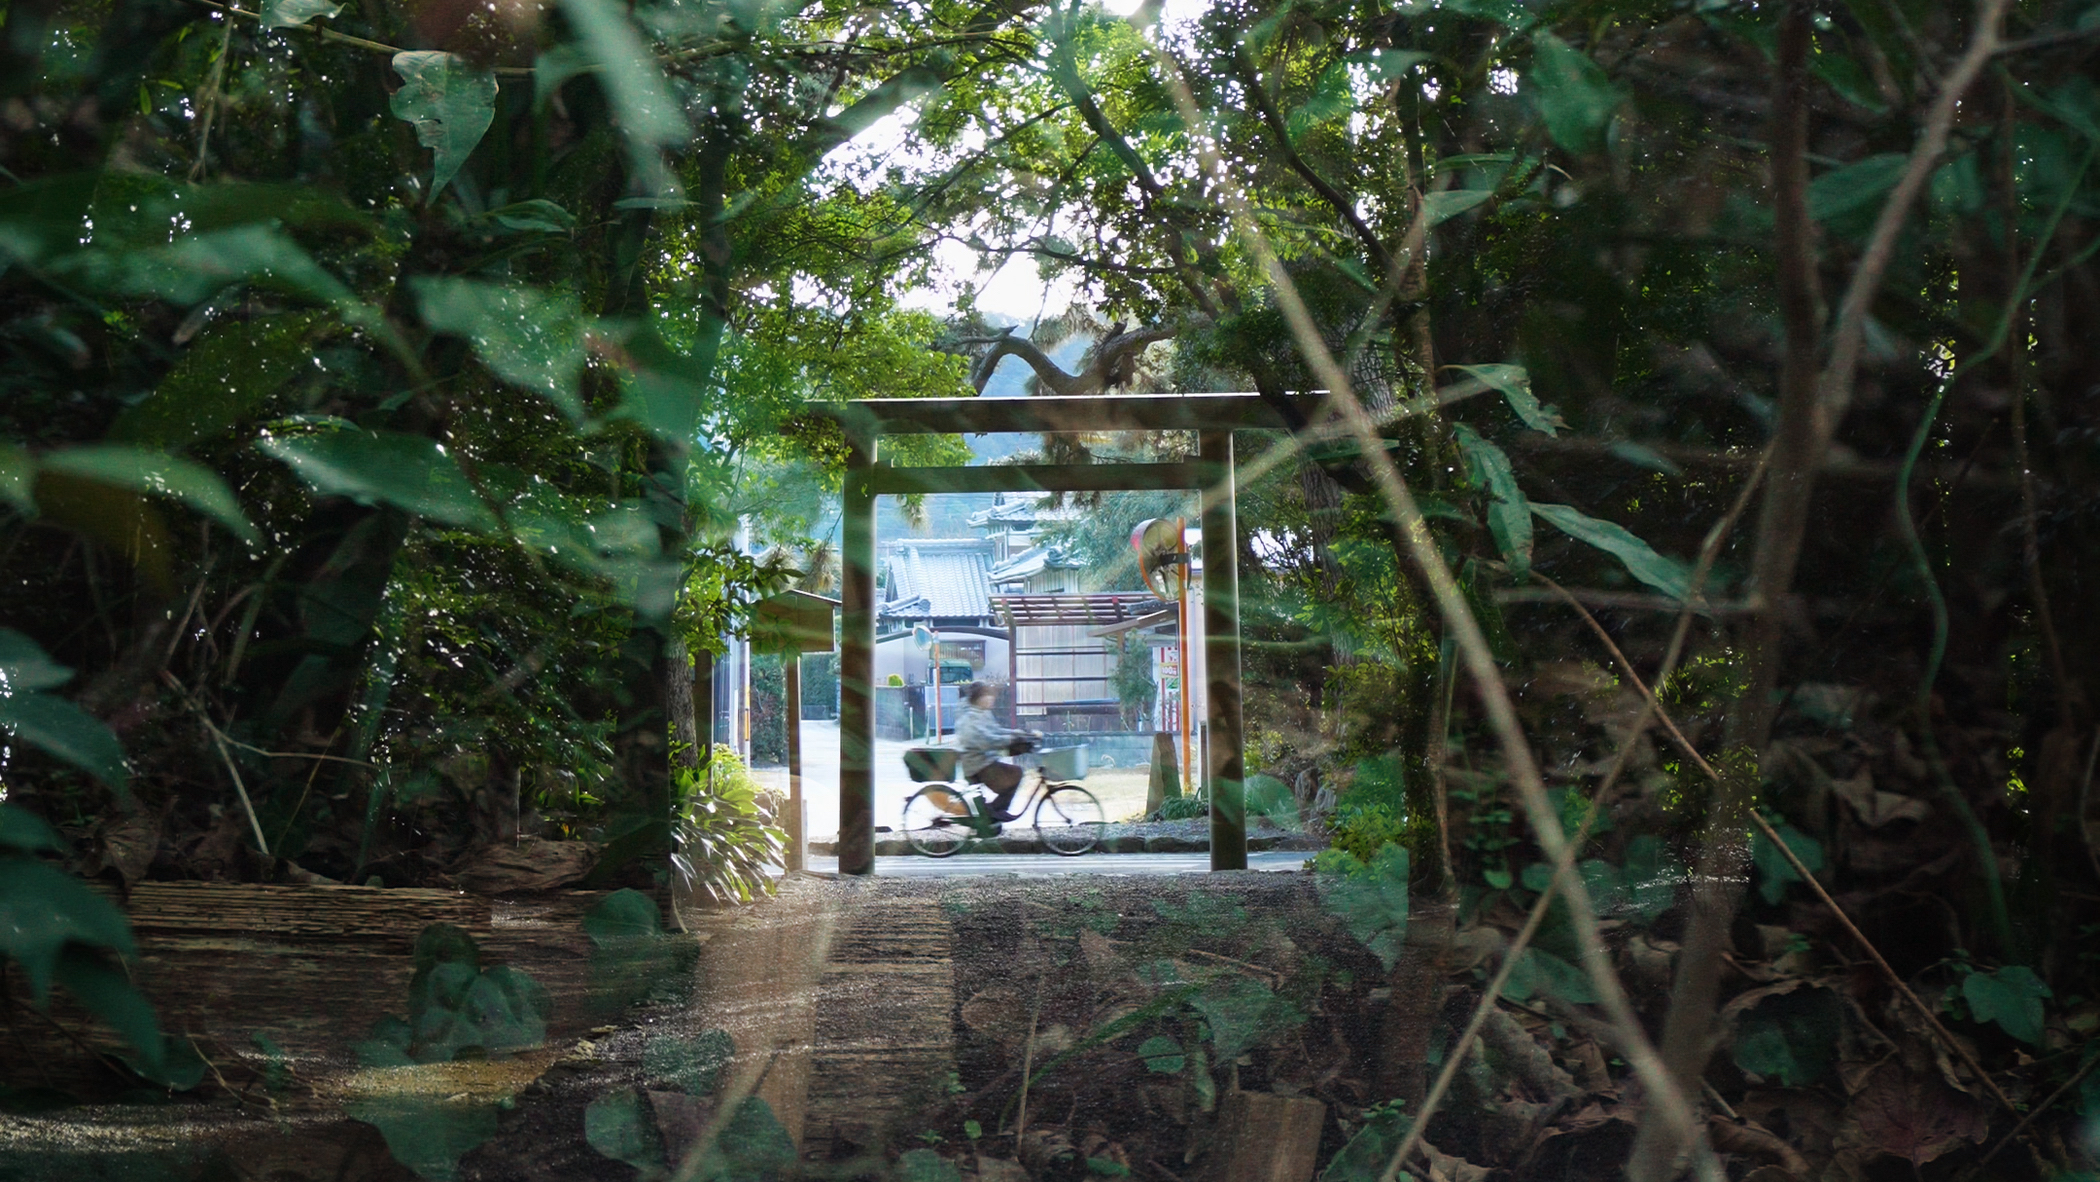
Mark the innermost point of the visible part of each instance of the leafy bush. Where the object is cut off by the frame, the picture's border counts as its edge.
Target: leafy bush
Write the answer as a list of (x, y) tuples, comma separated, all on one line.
[(724, 848), (1361, 830), (1184, 808), (769, 721)]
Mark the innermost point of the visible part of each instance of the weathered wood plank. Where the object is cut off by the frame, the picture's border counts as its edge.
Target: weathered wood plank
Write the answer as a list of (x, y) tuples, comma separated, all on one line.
[(288, 914)]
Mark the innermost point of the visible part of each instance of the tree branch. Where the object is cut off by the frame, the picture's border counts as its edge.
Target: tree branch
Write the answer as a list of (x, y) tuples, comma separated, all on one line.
[(1266, 108), (1110, 366)]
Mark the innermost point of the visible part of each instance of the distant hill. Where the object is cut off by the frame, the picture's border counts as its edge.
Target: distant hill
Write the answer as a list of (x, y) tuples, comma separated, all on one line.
[(947, 516)]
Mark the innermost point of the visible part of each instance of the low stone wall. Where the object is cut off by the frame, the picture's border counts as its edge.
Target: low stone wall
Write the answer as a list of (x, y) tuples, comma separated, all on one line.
[(1149, 837)]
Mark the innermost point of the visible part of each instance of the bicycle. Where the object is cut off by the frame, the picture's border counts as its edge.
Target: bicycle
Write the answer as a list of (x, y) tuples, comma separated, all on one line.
[(940, 819)]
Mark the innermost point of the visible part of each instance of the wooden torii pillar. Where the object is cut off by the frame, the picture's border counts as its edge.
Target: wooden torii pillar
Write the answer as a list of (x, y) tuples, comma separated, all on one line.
[(1214, 416), (790, 624)]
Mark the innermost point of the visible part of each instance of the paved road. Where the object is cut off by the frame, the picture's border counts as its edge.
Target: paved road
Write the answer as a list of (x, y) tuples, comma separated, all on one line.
[(820, 777), (1047, 865)]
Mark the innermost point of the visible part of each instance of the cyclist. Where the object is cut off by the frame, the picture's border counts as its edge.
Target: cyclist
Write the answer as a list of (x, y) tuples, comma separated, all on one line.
[(983, 741)]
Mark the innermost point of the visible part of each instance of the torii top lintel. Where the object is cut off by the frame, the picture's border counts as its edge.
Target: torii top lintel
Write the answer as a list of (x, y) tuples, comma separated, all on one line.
[(871, 417)]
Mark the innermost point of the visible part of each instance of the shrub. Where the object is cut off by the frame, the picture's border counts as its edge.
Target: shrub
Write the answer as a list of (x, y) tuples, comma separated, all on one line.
[(725, 847), (1361, 830)]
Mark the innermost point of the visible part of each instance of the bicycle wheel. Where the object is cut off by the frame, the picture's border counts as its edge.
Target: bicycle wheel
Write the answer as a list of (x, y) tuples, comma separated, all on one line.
[(936, 821), (1069, 820)]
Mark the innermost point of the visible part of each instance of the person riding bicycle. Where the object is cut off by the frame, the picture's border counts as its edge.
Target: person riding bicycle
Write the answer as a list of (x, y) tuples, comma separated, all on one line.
[(984, 741)]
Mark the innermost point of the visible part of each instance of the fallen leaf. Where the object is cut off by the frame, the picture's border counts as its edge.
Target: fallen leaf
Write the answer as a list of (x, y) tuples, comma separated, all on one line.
[(1750, 1139), (1874, 807), (129, 845), (1914, 1117)]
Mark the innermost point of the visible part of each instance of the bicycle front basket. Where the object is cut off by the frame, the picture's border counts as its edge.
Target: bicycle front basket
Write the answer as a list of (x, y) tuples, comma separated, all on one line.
[(1064, 763)]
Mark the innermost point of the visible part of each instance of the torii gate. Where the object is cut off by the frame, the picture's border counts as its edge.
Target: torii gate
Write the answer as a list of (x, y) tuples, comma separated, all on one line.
[(1213, 416)]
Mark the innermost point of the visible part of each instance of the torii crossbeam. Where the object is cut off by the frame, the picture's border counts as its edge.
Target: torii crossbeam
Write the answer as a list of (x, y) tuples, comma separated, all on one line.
[(1213, 416)]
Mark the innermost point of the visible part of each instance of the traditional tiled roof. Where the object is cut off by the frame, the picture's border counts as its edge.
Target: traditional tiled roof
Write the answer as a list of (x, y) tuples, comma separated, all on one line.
[(1023, 510), (944, 578), (1030, 562)]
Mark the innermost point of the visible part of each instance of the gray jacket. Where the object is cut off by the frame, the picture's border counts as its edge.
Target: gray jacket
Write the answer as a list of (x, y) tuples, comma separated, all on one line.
[(982, 739)]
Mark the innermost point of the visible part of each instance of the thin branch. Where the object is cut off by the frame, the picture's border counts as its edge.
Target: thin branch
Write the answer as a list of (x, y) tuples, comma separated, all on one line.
[(1771, 835), (1333, 196), (1834, 389), (347, 39), (1624, 601), (1479, 658), (2077, 1077), (2050, 40), (1709, 551)]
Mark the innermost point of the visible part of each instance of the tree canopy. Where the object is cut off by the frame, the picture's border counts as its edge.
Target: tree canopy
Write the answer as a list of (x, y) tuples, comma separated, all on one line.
[(391, 392)]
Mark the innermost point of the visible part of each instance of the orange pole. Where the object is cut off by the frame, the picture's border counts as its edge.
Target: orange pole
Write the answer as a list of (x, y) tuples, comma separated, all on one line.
[(1181, 547)]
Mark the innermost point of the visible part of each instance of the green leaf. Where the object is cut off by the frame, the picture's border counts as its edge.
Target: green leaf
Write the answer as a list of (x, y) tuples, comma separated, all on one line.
[(530, 337), (2011, 997), (1364, 1158), (624, 914), (641, 100), (1774, 872), (2077, 101), (384, 467), (24, 665), (1646, 457), (535, 216), (294, 14), (428, 1136), (1514, 13), (26, 832), (1448, 204), (1848, 78), (1514, 383), (1790, 1037), (1382, 66), (1372, 901), (107, 992), (17, 478), (146, 471), (753, 1147), (1162, 1055), (505, 1010), (1652, 872), (620, 1125), (387, 1045), (1539, 971), (1240, 1013), (42, 910), (1509, 513), (690, 1065), (1852, 192), (1575, 96), (178, 1067), (67, 732), (1666, 575), (924, 1165), (227, 376), (449, 102)]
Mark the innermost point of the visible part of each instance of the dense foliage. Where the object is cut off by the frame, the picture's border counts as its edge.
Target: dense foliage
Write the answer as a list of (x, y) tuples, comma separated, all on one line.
[(387, 388)]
